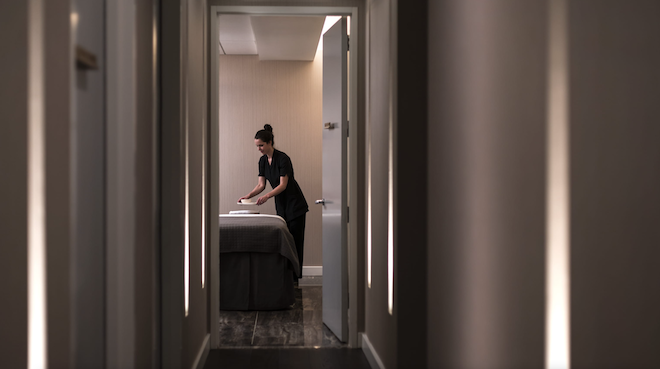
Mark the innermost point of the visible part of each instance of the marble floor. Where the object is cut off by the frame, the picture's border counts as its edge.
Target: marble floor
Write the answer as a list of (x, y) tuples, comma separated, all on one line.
[(311, 281), (300, 326)]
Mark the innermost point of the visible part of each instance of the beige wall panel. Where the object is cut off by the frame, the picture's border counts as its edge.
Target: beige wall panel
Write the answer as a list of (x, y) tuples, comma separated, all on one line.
[(288, 96)]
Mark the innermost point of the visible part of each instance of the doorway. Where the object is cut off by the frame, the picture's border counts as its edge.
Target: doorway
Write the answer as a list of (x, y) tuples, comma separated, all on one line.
[(250, 163)]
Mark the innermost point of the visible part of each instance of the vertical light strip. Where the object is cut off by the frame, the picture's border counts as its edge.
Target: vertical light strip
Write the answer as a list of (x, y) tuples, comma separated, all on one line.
[(390, 226), (184, 73), (369, 206), (203, 212), (204, 154), (37, 325), (369, 153), (558, 201), (186, 257), (391, 148)]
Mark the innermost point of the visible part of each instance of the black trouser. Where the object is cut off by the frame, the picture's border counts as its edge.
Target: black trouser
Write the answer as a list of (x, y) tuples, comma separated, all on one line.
[(297, 228)]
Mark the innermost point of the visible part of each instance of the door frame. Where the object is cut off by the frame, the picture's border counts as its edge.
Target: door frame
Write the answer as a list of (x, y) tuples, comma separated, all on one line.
[(353, 154)]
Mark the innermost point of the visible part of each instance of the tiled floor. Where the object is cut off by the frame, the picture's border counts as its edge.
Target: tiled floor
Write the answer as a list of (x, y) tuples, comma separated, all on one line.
[(286, 339), (300, 326), (311, 281)]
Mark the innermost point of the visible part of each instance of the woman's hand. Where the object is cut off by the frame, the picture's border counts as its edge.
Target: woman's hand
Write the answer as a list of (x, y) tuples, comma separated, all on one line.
[(239, 200), (262, 200)]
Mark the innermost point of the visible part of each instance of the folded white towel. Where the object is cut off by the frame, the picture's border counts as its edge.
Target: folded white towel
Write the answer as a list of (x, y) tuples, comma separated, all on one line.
[(244, 212)]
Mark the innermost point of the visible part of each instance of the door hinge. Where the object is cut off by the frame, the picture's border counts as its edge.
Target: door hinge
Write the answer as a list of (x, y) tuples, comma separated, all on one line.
[(347, 128), (348, 43)]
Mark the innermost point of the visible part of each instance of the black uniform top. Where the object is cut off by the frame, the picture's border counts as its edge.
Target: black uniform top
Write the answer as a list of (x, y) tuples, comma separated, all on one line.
[(290, 203)]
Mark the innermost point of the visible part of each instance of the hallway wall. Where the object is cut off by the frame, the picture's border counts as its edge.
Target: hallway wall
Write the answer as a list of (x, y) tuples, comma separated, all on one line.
[(39, 79), (288, 96), (196, 324), (487, 104), (185, 196), (380, 326), (28, 92), (59, 144), (487, 139), (147, 250), (615, 159), (14, 71)]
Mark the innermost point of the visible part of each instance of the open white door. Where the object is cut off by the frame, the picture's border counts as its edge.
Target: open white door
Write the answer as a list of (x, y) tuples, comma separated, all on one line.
[(335, 129), (89, 189)]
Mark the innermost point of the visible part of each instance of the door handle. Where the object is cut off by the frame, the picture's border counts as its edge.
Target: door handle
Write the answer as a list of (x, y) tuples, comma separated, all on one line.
[(322, 202)]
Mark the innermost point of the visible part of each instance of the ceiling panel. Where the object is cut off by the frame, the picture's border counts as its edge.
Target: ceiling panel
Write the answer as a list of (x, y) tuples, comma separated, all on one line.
[(235, 35), (239, 47), (287, 37)]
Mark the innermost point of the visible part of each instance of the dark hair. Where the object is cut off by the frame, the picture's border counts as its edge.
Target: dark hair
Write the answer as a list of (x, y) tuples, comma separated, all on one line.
[(266, 135)]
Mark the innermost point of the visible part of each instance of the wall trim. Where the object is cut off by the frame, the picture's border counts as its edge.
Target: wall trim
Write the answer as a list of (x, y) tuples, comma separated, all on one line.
[(312, 271), (372, 356), (203, 353)]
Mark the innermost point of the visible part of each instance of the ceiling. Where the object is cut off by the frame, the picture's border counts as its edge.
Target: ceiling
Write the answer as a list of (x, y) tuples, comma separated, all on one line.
[(270, 37)]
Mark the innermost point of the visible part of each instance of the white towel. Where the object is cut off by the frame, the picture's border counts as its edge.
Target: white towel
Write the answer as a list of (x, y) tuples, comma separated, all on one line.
[(244, 212)]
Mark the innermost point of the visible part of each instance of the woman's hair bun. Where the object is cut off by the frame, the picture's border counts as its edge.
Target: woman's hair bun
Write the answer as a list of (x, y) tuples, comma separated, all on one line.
[(266, 134)]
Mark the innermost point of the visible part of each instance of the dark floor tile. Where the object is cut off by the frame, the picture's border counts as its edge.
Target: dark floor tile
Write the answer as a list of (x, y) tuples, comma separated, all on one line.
[(329, 339), (286, 359), (235, 315), (280, 317), (312, 298), (234, 359), (291, 334), (298, 294), (313, 328), (311, 281), (236, 336), (294, 358), (236, 327), (264, 359), (300, 326), (313, 318), (344, 358)]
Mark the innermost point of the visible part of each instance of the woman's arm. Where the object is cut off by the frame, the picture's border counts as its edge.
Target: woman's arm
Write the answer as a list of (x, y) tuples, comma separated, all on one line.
[(257, 190), (284, 181)]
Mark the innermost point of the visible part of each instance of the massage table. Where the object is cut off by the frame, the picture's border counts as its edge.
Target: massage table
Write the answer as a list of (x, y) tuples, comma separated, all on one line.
[(258, 260)]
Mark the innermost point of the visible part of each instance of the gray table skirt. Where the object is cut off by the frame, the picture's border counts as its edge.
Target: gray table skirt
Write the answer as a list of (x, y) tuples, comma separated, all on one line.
[(255, 281)]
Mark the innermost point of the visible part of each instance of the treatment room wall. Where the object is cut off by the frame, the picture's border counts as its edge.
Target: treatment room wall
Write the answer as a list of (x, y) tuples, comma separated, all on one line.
[(288, 96)]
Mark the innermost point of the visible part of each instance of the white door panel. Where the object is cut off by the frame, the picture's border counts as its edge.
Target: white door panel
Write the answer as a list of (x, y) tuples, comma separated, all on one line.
[(88, 178), (335, 268)]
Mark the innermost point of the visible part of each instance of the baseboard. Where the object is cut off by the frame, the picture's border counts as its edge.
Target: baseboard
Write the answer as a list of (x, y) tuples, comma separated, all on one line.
[(372, 356), (203, 353), (312, 271)]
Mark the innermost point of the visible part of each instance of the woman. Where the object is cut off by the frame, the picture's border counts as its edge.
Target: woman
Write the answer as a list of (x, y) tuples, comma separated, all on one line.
[(275, 166)]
